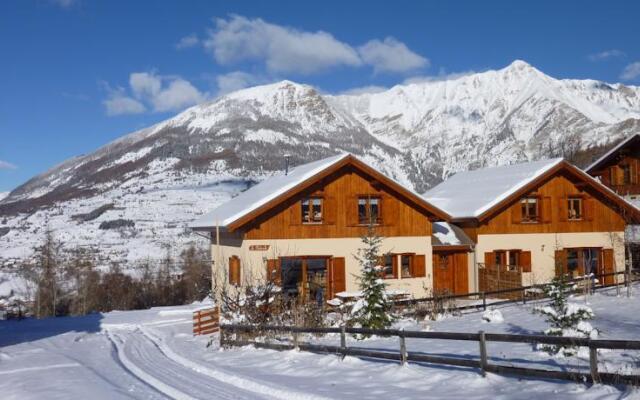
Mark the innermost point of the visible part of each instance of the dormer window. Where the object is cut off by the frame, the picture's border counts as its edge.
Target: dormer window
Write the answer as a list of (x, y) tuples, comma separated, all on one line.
[(312, 210), (574, 207), (530, 211)]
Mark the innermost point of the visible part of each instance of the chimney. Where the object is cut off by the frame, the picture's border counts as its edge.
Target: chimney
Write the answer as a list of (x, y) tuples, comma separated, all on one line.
[(286, 163)]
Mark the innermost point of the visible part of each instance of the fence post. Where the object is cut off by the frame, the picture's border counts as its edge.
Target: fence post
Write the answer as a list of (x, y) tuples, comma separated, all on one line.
[(524, 296), (295, 340), (483, 354), (593, 363), (484, 301), (403, 348), (222, 337), (343, 341)]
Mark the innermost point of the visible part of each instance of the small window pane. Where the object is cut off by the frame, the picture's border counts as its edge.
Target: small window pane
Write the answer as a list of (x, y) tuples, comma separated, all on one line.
[(362, 211), (388, 266), (316, 211), (306, 217), (572, 260), (529, 209), (514, 258), (374, 210), (405, 264), (574, 208)]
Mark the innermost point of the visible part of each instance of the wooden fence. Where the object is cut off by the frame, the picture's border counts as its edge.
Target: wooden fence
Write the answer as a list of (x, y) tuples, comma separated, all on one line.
[(403, 355), (512, 295), (206, 321)]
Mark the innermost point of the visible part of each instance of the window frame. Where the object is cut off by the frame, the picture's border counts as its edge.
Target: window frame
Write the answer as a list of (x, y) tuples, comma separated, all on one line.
[(525, 218), (580, 214), (411, 258), (393, 259), (367, 206), (309, 207), (626, 173)]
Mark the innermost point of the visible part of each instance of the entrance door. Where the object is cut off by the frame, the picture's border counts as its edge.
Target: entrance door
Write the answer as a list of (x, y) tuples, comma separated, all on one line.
[(450, 273), (304, 278)]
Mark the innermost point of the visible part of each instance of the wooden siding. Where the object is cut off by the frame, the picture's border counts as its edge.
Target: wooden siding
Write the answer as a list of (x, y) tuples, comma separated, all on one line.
[(400, 217), (599, 217), (611, 175)]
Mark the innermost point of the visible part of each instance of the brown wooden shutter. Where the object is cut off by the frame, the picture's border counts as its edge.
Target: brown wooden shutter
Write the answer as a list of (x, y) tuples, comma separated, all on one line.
[(394, 263), (295, 213), (488, 259), (338, 276), (634, 171), (234, 270), (419, 269), (389, 210), (546, 209), (607, 267), (563, 209), (516, 213), (588, 208), (525, 261), (273, 271), (560, 262), (352, 211), (329, 211)]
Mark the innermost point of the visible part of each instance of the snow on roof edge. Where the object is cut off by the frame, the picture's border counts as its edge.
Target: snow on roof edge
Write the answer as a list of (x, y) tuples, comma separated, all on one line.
[(613, 150)]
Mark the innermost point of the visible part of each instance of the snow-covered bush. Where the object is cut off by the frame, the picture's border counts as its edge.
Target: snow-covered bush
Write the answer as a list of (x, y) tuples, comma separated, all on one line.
[(373, 309), (564, 318), (493, 316)]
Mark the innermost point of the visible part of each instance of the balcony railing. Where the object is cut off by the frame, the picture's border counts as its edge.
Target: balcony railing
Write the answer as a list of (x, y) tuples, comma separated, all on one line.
[(624, 190)]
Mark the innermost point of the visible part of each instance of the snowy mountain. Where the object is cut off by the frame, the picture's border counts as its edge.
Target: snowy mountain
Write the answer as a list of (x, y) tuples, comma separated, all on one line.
[(164, 176)]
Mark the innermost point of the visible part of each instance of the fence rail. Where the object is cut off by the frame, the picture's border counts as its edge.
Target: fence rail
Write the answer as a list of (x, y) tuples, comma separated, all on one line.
[(403, 355), (206, 321)]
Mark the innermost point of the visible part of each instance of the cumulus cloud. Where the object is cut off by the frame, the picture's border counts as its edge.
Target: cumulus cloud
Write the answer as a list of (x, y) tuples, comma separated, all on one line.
[(604, 55), (283, 49), (147, 90), (7, 165), (188, 41), (631, 71), (236, 80), (391, 55)]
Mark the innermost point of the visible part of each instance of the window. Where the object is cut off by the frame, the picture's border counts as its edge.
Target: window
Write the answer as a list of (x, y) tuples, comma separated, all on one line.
[(529, 208), (234, 270), (368, 210), (514, 258), (626, 174), (312, 210), (387, 264), (406, 261), (574, 207), (499, 257), (573, 260)]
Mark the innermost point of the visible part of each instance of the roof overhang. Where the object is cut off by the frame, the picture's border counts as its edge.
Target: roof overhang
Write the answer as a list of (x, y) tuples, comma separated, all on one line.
[(611, 154)]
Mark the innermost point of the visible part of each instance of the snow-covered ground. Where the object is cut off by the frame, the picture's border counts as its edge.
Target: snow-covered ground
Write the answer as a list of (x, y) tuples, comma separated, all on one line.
[(151, 354)]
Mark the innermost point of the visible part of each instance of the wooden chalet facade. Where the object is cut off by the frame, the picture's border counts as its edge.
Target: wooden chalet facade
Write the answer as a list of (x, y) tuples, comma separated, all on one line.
[(302, 230), (530, 222), (619, 168)]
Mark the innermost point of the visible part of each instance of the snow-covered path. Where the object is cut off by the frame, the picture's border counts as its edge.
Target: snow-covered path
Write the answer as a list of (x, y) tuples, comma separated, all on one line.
[(151, 354)]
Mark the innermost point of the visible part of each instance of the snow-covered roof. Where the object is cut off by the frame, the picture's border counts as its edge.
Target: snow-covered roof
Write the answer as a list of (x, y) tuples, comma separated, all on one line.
[(446, 234), (612, 151), (470, 194), (262, 193)]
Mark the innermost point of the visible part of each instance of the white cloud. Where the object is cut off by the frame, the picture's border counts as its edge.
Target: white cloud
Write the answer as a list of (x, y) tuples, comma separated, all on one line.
[(442, 76), (631, 71), (188, 41), (236, 80), (282, 49), (391, 55), (151, 91), (603, 55), (7, 165), (118, 103)]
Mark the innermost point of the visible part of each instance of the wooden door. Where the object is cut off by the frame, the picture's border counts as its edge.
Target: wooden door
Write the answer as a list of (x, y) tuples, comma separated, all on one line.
[(336, 278), (607, 267), (450, 273), (461, 273)]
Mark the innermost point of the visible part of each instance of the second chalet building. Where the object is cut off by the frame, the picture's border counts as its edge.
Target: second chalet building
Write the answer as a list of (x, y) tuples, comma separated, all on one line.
[(302, 229)]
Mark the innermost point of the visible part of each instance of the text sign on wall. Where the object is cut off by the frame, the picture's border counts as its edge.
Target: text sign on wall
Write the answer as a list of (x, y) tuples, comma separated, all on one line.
[(259, 247)]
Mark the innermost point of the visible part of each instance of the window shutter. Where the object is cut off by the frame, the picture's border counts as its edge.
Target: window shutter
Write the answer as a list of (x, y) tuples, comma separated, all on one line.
[(561, 262), (394, 263), (525, 261), (389, 210), (488, 259), (234, 270), (607, 267), (337, 276), (329, 210), (588, 208), (546, 209), (419, 269), (273, 271), (563, 209), (295, 213), (352, 211), (516, 213)]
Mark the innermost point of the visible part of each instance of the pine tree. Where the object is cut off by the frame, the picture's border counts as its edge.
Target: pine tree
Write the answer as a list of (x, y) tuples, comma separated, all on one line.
[(564, 318), (373, 310)]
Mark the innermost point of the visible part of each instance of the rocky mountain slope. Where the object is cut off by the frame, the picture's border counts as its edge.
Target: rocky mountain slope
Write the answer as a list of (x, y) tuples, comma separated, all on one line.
[(158, 179)]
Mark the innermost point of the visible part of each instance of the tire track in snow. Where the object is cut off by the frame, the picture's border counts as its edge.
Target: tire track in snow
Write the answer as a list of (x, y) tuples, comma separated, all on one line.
[(143, 358), (240, 382)]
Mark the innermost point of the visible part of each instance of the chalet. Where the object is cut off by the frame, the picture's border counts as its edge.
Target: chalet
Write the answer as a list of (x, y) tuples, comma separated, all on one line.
[(302, 229), (618, 168), (534, 220)]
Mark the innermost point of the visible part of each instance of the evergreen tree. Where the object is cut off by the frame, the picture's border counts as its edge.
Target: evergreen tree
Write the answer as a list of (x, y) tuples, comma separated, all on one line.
[(564, 318), (373, 310)]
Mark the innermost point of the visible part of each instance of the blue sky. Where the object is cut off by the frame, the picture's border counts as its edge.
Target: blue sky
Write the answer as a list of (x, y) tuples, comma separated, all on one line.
[(76, 74)]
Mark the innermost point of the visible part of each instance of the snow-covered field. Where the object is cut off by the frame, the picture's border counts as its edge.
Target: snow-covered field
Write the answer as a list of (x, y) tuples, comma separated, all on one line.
[(151, 354)]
